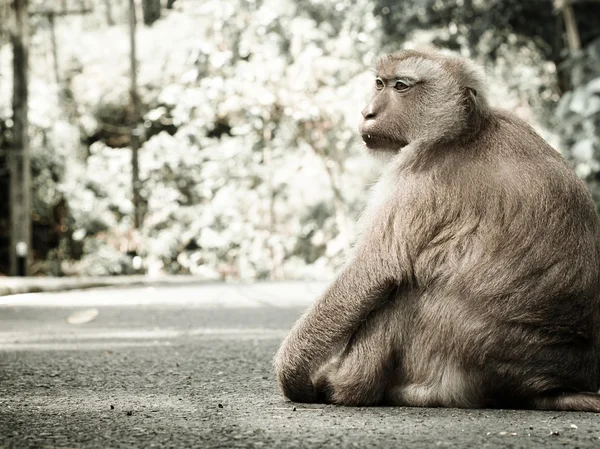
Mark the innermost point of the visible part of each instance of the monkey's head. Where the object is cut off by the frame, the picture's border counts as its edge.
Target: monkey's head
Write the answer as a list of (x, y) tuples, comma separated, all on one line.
[(420, 96)]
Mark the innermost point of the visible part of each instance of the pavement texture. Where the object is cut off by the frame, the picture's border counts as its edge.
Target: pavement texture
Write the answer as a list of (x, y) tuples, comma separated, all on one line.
[(190, 366)]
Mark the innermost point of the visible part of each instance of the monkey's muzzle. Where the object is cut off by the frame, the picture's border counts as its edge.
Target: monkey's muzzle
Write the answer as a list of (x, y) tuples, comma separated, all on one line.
[(380, 143)]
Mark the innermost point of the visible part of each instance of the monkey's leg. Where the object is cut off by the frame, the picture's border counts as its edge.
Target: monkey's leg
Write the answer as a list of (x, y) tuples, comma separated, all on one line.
[(575, 402), (359, 290), (362, 373)]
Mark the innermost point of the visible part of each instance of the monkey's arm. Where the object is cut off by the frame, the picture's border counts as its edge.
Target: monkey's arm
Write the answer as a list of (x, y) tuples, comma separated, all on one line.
[(359, 289)]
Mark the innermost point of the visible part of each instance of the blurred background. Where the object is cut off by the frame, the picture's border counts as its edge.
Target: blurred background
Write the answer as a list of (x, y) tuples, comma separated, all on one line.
[(218, 137)]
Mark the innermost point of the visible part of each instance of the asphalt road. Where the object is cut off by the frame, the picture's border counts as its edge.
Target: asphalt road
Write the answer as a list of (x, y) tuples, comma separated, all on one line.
[(191, 367)]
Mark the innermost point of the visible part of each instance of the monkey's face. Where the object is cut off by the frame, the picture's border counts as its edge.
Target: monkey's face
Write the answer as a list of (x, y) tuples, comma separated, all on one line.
[(383, 124), (413, 99)]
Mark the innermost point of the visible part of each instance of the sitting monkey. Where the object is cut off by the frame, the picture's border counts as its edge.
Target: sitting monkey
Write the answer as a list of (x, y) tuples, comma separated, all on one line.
[(475, 277)]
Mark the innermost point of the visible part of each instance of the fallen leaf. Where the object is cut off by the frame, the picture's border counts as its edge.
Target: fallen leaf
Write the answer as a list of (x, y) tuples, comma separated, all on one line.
[(82, 316)]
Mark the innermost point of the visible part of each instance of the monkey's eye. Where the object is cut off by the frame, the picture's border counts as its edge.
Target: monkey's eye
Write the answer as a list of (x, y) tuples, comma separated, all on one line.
[(379, 84), (401, 86)]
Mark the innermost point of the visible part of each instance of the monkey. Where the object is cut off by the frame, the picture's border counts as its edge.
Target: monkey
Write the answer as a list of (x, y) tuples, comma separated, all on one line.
[(474, 279)]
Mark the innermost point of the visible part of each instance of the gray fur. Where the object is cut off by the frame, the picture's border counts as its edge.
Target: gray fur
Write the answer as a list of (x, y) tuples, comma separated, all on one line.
[(475, 278)]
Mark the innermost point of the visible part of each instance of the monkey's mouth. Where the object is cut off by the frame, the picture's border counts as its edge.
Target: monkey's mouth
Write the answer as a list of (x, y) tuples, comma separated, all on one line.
[(381, 143)]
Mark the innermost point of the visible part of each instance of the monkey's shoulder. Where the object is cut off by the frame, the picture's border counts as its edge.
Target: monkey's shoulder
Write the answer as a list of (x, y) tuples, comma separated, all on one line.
[(511, 137)]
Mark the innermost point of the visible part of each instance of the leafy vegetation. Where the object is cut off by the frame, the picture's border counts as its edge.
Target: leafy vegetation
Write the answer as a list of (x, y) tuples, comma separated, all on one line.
[(250, 166)]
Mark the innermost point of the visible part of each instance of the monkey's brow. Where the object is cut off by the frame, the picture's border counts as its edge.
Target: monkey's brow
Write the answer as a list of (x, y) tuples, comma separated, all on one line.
[(398, 77), (408, 78)]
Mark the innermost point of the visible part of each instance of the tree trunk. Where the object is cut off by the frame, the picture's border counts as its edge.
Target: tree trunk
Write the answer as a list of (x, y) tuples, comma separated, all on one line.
[(20, 171), (571, 26), (110, 21), (151, 10), (135, 131), (54, 45)]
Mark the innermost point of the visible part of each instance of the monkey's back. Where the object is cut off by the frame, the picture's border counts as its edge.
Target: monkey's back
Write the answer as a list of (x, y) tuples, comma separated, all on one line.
[(513, 273)]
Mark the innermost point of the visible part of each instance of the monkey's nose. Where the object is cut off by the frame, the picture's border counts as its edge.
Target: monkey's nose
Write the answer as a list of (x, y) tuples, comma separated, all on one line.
[(368, 112)]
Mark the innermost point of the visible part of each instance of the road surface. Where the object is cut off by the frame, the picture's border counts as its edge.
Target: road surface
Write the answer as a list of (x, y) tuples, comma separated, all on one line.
[(190, 366)]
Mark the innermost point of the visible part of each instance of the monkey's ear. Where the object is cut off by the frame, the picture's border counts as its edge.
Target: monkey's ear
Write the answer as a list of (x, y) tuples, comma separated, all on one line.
[(471, 99)]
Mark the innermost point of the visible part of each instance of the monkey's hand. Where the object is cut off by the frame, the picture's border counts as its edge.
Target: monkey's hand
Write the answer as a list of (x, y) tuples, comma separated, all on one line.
[(358, 290)]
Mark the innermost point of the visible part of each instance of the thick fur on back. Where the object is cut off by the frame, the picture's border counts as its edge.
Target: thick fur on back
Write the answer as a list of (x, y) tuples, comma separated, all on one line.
[(502, 249)]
